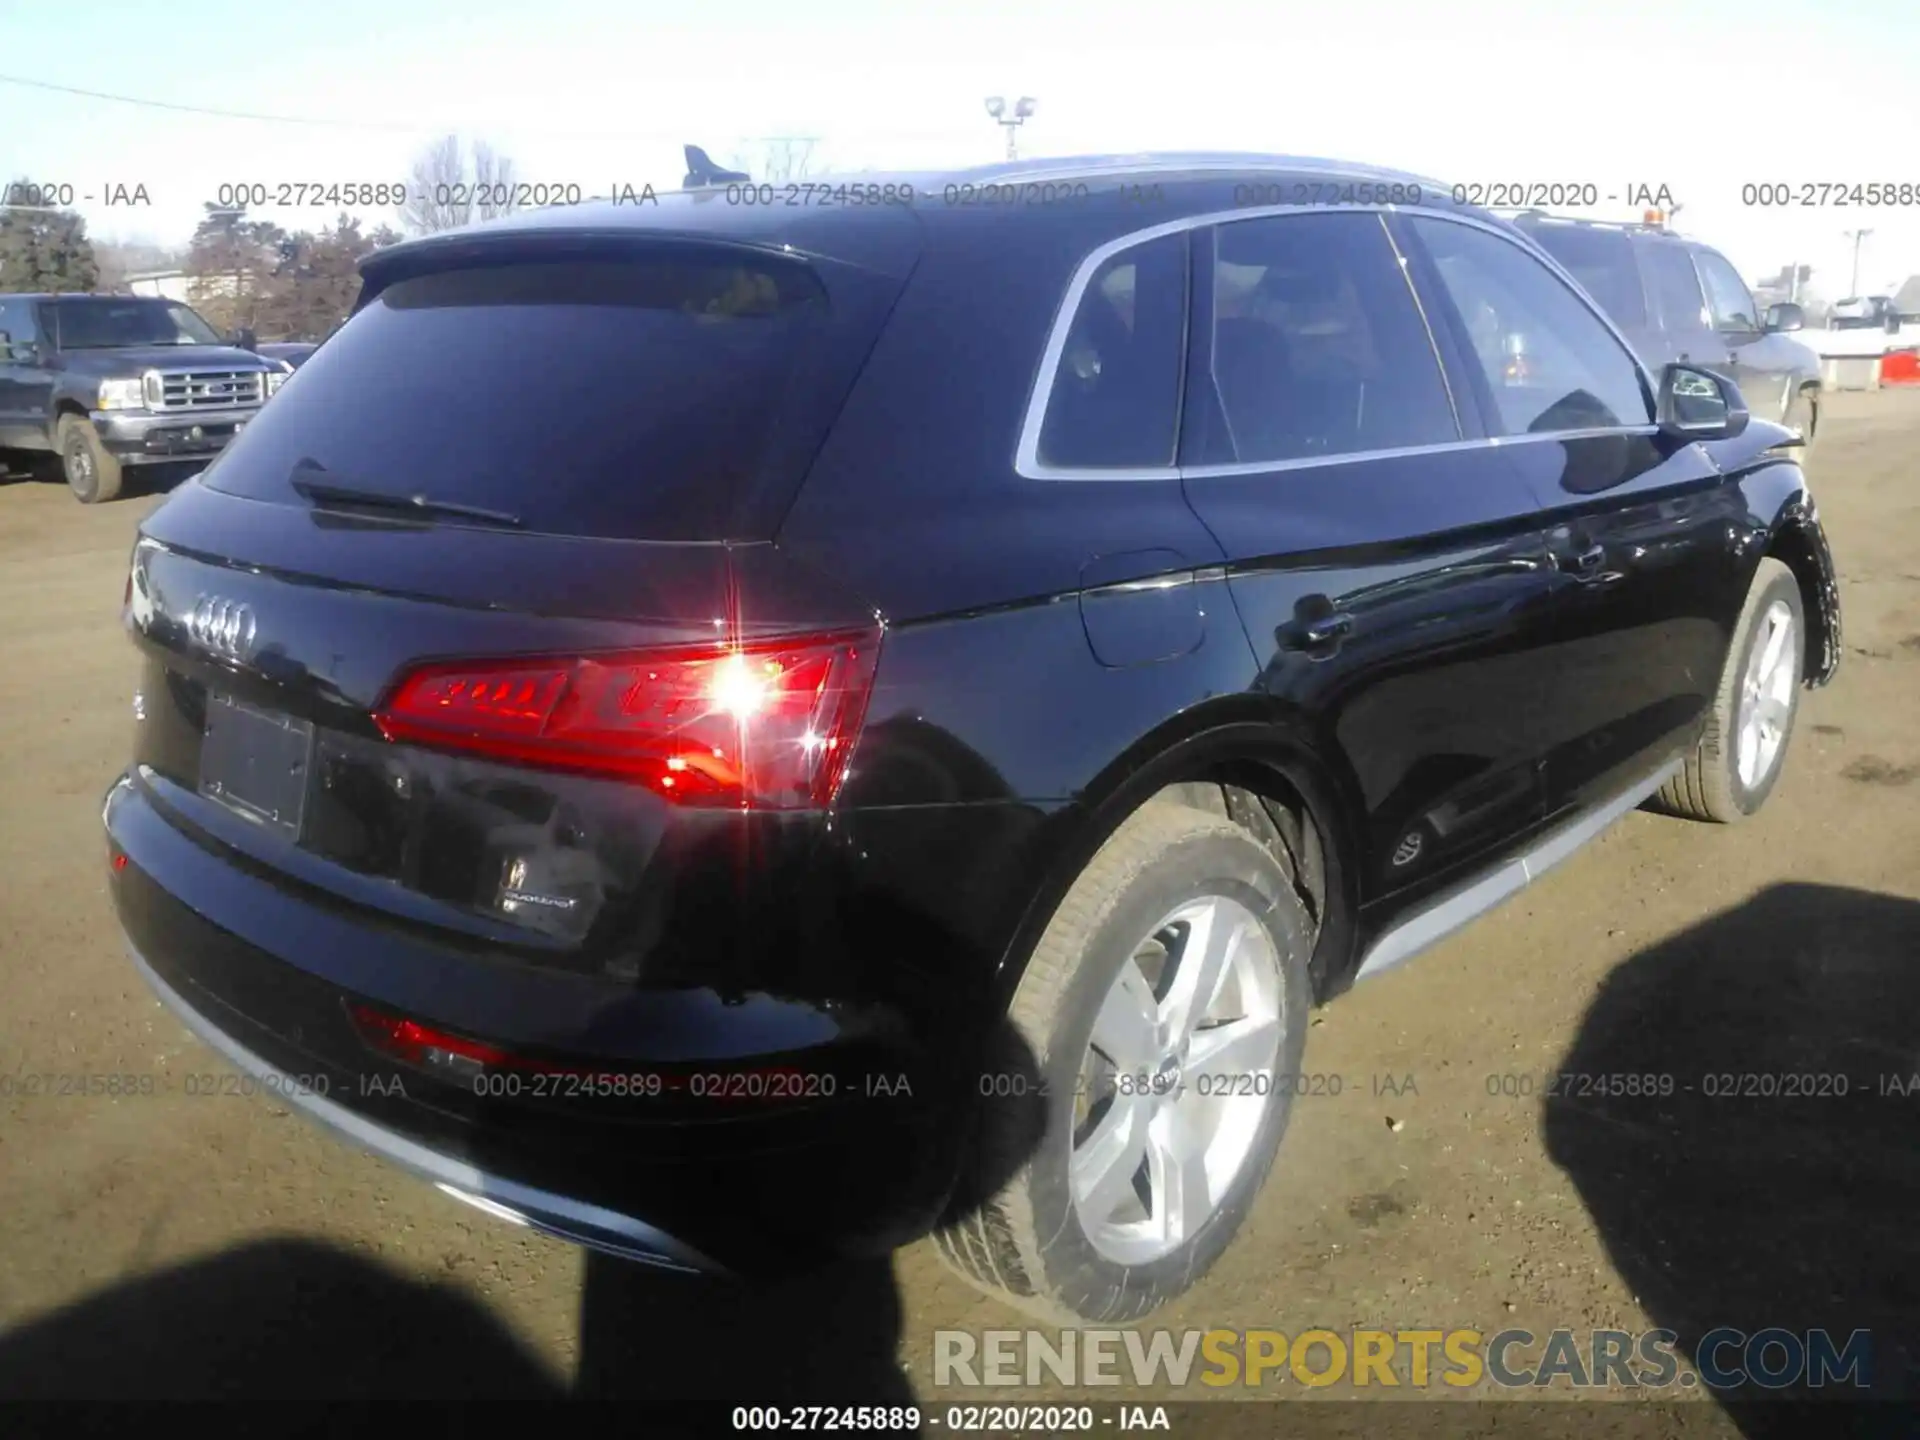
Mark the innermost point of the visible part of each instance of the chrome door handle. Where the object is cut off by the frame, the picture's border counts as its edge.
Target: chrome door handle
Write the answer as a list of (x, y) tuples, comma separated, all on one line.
[(1319, 633), (1327, 630), (1586, 562)]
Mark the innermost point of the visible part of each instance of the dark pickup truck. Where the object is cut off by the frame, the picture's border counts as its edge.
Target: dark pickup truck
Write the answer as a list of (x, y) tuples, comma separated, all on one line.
[(107, 381), (1679, 301)]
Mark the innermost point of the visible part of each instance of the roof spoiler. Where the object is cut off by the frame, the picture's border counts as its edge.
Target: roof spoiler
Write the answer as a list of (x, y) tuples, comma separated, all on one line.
[(701, 171)]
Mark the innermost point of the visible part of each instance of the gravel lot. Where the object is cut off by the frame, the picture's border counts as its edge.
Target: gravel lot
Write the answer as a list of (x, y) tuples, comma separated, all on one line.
[(186, 1245)]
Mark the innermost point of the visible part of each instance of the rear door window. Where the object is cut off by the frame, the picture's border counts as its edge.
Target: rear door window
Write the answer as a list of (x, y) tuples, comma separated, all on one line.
[(1114, 401), (1601, 259), (1318, 345), (634, 397)]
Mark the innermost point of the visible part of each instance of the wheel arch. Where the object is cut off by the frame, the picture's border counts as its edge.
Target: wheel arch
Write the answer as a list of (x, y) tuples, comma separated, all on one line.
[(1797, 540), (1244, 756)]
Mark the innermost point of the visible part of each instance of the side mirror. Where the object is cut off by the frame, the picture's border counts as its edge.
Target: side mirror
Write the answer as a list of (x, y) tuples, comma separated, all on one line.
[(244, 338), (1787, 316), (1699, 405)]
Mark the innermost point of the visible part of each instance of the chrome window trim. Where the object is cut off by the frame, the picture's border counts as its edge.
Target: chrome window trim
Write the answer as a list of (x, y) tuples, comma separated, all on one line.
[(1027, 463), (1484, 442)]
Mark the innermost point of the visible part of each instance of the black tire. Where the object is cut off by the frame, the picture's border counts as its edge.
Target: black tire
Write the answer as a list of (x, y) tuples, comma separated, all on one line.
[(91, 472), (1709, 786), (1025, 1244)]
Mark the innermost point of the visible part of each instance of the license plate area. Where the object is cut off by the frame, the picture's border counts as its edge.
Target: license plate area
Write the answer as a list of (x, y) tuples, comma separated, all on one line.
[(256, 763)]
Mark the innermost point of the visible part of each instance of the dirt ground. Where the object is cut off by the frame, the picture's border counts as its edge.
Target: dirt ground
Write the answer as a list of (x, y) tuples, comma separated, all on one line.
[(188, 1245)]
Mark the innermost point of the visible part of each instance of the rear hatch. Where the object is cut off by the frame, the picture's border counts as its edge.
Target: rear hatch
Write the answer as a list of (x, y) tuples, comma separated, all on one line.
[(479, 625)]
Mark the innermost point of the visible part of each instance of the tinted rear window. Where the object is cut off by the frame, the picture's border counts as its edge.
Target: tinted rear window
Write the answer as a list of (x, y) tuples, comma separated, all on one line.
[(1602, 261), (632, 398)]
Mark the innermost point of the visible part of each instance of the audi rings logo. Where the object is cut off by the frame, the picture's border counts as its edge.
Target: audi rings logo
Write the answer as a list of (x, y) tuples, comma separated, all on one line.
[(223, 626)]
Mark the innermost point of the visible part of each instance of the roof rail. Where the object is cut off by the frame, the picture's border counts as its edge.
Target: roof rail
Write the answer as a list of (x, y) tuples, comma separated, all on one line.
[(1658, 227)]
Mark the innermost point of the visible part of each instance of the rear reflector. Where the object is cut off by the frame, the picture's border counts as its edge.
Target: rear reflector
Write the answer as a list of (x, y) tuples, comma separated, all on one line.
[(765, 726)]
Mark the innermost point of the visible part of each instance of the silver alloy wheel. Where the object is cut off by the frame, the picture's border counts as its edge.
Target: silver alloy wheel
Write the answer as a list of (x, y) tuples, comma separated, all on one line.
[(1177, 1079), (79, 463), (1766, 697)]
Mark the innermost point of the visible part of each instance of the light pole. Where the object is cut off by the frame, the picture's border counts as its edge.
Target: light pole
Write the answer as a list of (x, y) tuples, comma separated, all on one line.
[(1022, 108), (1853, 288)]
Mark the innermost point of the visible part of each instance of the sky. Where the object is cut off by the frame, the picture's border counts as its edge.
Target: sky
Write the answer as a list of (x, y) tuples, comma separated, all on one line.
[(1703, 98)]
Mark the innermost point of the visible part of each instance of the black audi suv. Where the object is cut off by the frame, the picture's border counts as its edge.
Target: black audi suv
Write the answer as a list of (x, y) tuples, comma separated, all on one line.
[(738, 732)]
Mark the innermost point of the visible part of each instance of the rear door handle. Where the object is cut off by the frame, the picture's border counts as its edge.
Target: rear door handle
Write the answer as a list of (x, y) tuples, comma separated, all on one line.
[(1331, 630), (1584, 562), (1316, 628)]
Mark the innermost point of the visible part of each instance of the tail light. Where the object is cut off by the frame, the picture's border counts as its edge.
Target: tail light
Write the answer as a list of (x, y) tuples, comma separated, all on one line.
[(466, 1061), (766, 725), (429, 1048)]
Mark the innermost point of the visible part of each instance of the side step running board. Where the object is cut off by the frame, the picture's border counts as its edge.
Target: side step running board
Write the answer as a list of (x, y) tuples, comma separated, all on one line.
[(1439, 918)]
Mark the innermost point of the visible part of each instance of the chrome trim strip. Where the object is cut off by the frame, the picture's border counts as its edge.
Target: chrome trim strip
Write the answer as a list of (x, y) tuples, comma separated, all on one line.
[(572, 1220), (1134, 587), (1171, 580), (1490, 442), (1440, 918), (1026, 460)]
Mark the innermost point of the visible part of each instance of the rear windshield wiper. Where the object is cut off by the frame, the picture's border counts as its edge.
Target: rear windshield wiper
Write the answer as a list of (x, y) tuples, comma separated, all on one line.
[(423, 506)]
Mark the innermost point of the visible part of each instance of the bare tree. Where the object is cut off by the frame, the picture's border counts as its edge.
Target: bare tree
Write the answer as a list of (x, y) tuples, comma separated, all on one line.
[(450, 187), (778, 160)]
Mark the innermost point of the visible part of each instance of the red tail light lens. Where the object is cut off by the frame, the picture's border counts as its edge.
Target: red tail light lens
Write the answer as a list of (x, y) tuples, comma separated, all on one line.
[(425, 1046), (768, 725)]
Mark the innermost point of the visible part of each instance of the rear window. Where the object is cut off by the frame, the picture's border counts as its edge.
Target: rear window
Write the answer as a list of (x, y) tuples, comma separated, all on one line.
[(636, 398), (1602, 261)]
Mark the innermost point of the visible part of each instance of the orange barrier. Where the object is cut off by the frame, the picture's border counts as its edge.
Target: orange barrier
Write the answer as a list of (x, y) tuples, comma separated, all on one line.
[(1902, 367)]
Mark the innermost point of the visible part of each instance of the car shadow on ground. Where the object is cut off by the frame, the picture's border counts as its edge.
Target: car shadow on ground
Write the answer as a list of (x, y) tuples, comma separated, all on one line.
[(1775, 1187), (295, 1319), (289, 1319)]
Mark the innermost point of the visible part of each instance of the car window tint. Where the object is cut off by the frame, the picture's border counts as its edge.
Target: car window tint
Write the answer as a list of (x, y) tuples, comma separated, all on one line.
[(1601, 259), (1549, 361), (1115, 396), (11, 330), (1675, 286), (1318, 344), (637, 398), (1727, 297)]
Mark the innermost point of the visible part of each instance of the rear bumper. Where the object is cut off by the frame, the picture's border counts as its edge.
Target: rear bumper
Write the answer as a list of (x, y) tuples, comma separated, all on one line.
[(510, 1200), (150, 437), (719, 1183)]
